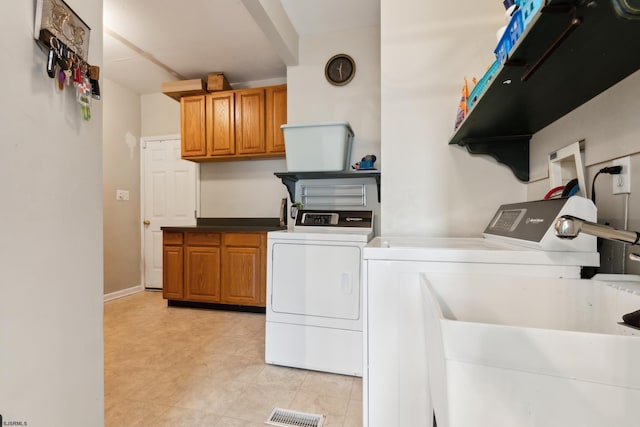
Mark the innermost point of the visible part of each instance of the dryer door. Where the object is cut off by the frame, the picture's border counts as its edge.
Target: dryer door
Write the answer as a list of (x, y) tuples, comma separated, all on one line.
[(316, 280)]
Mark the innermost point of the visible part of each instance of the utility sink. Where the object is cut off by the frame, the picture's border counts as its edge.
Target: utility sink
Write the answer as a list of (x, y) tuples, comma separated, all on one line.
[(527, 351)]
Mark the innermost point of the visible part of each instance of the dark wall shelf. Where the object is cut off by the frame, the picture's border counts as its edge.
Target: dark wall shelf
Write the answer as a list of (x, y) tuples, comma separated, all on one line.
[(289, 179), (569, 54)]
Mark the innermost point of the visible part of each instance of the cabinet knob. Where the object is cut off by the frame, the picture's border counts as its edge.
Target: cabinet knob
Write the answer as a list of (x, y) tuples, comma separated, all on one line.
[(146, 222)]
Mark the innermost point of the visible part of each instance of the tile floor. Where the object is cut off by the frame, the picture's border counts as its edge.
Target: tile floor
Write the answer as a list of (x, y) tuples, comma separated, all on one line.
[(173, 366)]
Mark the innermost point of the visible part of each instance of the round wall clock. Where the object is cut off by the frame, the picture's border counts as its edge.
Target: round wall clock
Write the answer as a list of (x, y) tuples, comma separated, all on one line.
[(340, 69)]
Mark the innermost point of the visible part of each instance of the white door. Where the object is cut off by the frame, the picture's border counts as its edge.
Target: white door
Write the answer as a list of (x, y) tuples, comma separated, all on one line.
[(170, 199)]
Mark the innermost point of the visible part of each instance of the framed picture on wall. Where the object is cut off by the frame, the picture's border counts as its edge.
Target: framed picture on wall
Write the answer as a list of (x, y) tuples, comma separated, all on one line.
[(55, 18)]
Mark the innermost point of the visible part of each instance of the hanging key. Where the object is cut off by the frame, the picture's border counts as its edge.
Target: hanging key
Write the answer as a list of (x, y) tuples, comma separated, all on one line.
[(51, 63), (94, 72), (78, 76), (94, 76), (61, 78), (95, 89), (63, 63), (52, 57)]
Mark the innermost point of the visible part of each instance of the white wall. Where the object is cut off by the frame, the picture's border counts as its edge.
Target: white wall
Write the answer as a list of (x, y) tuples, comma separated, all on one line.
[(51, 254), (608, 123), (159, 114), (429, 187), (121, 166), (241, 189), (311, 99)]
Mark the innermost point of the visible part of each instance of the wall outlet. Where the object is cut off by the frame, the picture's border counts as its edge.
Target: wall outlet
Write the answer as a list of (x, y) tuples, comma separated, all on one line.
[(122, 195), (622, 182)]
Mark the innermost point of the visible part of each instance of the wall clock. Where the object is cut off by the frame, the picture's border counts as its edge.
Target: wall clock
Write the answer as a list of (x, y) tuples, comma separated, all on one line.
[(340, 69)]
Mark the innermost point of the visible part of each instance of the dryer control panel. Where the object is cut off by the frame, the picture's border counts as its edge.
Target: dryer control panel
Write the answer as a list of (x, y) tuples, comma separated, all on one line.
[(334, 220)]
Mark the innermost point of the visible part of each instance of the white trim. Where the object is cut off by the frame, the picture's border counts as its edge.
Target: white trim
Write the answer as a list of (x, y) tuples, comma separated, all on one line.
[(123, 293), (160, 137)]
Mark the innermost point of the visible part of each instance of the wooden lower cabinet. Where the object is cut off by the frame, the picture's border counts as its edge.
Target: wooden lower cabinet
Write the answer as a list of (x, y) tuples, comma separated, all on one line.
[(225, 268)]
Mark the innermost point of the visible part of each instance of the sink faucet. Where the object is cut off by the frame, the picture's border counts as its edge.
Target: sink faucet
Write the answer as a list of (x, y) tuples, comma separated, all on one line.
[(568, 227)]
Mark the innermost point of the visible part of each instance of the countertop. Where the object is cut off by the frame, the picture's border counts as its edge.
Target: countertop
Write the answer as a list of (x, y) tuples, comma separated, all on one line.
[(230, 225)]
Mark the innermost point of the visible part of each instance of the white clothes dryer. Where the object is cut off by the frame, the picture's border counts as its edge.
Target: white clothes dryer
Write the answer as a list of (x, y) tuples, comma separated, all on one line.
[(314, 294)]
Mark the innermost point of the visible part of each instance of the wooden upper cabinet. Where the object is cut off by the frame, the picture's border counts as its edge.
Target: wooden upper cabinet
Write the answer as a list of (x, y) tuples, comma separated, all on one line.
[(276, 99), (192, 126), (221, 139), (250, 121), (233, 124)]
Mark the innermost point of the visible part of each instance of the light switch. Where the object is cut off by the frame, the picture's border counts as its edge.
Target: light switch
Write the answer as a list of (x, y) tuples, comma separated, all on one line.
[(122, 195)]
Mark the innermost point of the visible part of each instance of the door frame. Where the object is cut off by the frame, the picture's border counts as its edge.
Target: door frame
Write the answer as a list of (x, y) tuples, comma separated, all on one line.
[(143, 141)]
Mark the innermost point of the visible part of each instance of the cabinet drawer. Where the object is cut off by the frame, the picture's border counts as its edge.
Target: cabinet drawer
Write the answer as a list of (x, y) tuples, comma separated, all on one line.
[(243, 239), (203, 239), (171, 238)]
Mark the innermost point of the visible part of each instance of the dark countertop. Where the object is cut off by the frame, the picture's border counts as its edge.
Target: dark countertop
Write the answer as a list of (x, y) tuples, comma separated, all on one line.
[(230, 225)]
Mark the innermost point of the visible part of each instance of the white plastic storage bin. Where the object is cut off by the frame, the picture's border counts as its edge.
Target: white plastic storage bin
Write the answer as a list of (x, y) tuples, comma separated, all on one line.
[(321, 147)]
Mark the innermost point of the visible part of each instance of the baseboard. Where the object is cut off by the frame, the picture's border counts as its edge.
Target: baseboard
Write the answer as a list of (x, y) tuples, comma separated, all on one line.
[(123, 293), (216, 306)]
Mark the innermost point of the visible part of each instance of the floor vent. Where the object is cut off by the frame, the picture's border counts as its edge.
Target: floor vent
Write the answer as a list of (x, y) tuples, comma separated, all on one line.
[(286, 418)]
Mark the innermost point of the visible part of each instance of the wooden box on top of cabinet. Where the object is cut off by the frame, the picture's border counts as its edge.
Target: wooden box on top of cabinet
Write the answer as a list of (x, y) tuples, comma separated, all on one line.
[(181, 88), (217, 81)]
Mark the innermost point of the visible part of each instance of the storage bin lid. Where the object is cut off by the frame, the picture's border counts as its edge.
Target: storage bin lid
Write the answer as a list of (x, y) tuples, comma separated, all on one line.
[(311, 125)]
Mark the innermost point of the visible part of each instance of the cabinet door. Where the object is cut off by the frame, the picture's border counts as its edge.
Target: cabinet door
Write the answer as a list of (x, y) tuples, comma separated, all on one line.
[(221, 137), (202, 278), (172, 272), (192, 126), (276, 116), (241, 279), (243, 268), (250, 121)]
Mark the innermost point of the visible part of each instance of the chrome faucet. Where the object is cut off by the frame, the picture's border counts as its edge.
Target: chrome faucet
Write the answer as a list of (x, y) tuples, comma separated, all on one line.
[(568, 227)]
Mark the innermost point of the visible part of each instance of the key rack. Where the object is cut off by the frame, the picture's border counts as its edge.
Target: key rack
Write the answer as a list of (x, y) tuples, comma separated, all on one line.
[(56, 18), (65, 38)]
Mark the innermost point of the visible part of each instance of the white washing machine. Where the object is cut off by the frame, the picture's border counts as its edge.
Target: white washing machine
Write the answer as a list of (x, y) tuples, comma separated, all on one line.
[(314, 293), (519, 241)]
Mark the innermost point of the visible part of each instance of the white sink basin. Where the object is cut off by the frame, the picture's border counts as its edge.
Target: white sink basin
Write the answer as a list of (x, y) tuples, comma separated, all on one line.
[(532, 352)]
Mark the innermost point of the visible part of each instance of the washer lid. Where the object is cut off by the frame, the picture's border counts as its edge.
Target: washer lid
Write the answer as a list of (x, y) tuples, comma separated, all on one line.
[(471, 250)]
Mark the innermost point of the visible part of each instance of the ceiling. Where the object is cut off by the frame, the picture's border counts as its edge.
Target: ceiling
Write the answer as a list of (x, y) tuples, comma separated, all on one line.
[(147, 42)]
